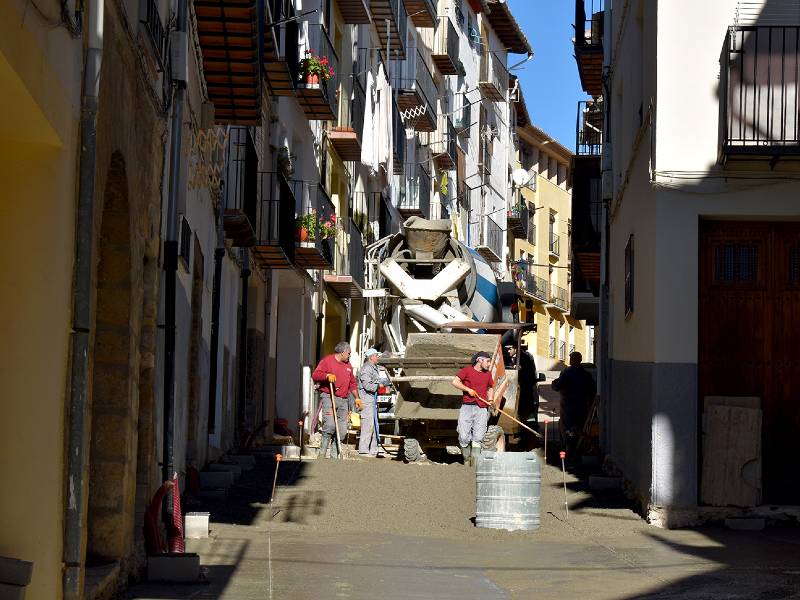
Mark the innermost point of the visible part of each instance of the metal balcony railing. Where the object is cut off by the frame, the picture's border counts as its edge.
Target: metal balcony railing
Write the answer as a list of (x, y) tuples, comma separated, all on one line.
[(444, 144), (413, 75), (414, 196), (589, 22), (314, 40), (314, 210), (155, 30), (355, 254), (487, 237), (555, 244), (240, 195), (562, 350), (276, 221), (558, 297), (445, 47), (517, 218), (589, 128), (536, 286), (493, 77), (399, 141), (552, 347), (760, 87), (395, 11), (462, 118), (531, 231)]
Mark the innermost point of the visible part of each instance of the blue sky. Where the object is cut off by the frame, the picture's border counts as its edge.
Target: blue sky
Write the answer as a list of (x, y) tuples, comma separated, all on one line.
[(550, 81)]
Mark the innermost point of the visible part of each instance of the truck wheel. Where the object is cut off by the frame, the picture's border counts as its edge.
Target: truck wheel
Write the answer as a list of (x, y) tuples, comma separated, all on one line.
[(490, 440), (412, 452)]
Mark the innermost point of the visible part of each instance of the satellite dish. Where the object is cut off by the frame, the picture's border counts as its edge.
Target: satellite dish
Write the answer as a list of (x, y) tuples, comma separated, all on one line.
[(520, 177)]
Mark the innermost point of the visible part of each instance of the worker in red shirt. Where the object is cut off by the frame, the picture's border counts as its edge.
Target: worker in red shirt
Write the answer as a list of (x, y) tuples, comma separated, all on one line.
[(473, 417), (335, 369)]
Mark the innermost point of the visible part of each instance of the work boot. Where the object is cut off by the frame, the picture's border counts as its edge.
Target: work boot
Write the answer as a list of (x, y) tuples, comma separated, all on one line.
[(324, 444), (466, 452)]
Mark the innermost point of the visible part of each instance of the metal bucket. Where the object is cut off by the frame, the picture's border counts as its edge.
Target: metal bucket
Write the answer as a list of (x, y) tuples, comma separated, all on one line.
[(508, 490)]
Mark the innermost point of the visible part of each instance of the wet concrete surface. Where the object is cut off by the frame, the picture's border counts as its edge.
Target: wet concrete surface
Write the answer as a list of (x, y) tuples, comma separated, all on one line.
[(377, 528)]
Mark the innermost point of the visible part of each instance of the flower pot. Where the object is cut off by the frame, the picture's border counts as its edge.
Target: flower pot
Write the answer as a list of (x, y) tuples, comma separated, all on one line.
[(312, 78), (301, 235)]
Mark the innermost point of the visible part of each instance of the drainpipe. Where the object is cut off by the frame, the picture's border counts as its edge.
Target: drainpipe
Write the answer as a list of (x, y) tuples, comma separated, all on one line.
[(171, 263), (241, 412), (219, 254), (77, 446)]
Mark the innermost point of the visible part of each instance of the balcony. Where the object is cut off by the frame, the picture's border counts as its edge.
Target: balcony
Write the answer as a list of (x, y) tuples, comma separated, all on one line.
[(486, 237), (589, 45), (445, 47), (444, 144), (275, 232), (155, 32), (493, 78), (354, 12), (558, 298), (554, 245), (531, 237), (346, 137), (313, 252), (399, 141), (240, 190), (587, 223), (414, 196), (552, 347), (532, 285), (281, 51), (562, 351), (348, 281), (760, 102), (462, 119), (422, 12), (230, 33), (395, 12), (589, 128), (317, 96), (415, 88), (517, 218)]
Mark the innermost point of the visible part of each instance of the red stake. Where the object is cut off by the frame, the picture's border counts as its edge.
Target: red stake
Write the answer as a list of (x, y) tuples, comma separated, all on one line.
[(546, 423), (278, 459), (562, 455)]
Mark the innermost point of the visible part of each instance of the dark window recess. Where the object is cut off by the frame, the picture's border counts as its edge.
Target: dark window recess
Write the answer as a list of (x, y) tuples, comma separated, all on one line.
[(184, 248), (794, 265), (629, 277), (735, 264)]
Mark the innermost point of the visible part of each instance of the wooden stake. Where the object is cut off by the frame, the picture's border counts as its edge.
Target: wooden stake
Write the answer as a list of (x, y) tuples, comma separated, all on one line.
[(546, 423), (563, 455), (300, 425), (278, 459)]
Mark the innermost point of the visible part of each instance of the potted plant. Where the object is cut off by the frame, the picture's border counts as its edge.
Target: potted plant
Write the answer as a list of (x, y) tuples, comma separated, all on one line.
[(327, 227), (306, 227), (316, 69)]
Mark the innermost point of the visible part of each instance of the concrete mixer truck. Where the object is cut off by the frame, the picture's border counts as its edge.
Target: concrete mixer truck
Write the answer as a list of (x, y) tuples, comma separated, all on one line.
[(437, 302)]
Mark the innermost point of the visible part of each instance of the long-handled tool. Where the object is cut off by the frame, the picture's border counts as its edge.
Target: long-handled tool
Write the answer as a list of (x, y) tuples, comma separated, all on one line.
[(278, 459), (336, 421), (517, 421), (300, 425), (563, 455), (546, 423)]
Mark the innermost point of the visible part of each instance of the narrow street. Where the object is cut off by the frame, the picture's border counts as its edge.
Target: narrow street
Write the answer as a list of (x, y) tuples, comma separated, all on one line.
[(383, 529)]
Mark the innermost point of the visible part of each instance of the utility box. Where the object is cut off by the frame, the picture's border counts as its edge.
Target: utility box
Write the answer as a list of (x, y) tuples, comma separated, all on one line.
[(196, 525)]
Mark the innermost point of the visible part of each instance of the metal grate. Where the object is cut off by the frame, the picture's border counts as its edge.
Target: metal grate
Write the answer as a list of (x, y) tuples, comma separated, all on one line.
[(735, 264), (794, 265)]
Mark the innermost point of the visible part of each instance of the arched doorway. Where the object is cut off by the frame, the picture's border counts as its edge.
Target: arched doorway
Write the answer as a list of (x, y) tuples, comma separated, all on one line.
[(114, 402)]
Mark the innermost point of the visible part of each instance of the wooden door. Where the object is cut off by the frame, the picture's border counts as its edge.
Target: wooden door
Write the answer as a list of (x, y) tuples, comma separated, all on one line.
[(748, 328)]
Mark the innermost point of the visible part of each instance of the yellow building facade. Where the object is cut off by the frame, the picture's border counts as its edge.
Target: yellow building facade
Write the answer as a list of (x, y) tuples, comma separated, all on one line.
[(540, 249)]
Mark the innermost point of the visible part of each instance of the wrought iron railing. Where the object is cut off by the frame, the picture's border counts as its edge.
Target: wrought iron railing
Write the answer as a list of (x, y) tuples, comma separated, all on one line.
[(314, 210), (531, 231), (494, 71), (536, 286), (446, 42), (589, 128), (552, 347), (558, 297), (240, 176), (317, 42), (415, 194), (276, 223), (445, 140), (589, 22), (355, 254), (493, 237), (413, 74), (399, 141), (562, 350), (519, 212), (155, 30), (555, 244), (761, 90), (462, 119)]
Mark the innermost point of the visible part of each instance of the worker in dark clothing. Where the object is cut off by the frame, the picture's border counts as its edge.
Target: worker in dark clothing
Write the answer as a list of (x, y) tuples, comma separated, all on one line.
[(577, 388)]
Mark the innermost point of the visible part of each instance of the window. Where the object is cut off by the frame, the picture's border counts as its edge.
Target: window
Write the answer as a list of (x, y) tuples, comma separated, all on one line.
[(794, 265), (735, 264), (629, 277), (184, 248)]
